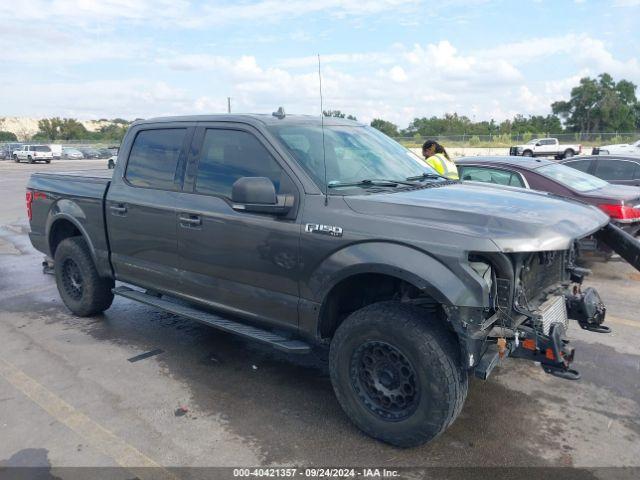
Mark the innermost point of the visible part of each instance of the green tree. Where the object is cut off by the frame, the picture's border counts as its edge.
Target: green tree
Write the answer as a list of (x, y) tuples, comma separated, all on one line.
[(386, 127), (48, 128), (7, 136), (600, 105)]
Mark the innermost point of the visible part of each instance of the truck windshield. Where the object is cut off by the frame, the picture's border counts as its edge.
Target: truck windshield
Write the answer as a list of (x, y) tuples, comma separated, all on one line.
[(353, 154), (572, 178)]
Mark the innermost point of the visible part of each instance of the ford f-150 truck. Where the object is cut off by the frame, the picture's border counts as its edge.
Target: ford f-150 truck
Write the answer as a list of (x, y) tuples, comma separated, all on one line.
[(296, 232), (545, 147)]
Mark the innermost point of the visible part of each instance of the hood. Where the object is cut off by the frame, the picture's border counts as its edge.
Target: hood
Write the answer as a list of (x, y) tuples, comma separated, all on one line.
[(516, 220)]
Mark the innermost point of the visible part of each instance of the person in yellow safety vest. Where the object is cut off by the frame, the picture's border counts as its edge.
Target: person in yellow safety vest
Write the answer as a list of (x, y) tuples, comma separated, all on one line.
[(438, 159)]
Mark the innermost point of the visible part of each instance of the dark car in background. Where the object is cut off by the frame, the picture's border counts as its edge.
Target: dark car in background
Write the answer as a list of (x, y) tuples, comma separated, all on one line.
[(90, 152), (618, 169), (6, 150), (104, 152), (620, 202)]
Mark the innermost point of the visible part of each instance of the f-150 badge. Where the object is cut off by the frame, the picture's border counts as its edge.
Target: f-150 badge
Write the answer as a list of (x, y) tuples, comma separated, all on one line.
[(323, 229)]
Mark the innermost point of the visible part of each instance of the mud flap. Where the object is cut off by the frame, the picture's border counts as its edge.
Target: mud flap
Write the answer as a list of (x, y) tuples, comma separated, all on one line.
[(621, 242)]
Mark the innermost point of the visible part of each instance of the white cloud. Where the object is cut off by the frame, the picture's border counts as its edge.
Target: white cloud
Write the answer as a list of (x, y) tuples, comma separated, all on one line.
[(188, 14)]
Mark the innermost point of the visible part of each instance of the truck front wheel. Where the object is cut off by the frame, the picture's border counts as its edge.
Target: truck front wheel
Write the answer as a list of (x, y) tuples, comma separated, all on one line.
[(527, 153), (16, 159), (397, 373), (82, 290)]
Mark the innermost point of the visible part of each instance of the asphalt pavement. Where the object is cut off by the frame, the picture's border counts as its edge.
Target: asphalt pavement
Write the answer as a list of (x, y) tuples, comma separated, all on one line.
[(80, 391)]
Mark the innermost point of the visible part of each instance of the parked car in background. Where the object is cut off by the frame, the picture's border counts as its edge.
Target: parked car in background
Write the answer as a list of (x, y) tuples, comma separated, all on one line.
[(616, 169), (6, 150), (545, 147), (71, 153), (104, 152), (33, 153), (89, 152), (620, 202), (618, 149), (56, 151)]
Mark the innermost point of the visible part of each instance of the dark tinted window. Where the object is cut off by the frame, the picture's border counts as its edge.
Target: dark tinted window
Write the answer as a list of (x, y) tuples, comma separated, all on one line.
[(154, 157), (228, 155), (41, 148), (582, 165), (491, 175), (616, 170)]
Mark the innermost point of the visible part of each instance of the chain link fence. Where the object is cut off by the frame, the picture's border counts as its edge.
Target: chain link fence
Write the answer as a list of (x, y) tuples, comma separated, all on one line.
[(509, 139)]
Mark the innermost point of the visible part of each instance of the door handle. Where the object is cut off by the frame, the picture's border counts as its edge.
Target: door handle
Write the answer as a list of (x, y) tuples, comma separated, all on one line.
[(119, 209), (187, 220)]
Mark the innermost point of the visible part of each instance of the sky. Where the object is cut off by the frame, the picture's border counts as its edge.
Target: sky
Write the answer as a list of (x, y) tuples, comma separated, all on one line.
[(390, 59)]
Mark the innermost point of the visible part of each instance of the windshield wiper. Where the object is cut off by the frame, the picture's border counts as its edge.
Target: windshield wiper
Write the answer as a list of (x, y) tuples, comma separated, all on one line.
[(426, 175), (370, 183)]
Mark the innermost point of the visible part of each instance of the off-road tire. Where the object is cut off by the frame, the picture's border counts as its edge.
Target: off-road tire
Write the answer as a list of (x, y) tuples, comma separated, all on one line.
[(527, 153), (82, 290), (568, 153), (433, 354)]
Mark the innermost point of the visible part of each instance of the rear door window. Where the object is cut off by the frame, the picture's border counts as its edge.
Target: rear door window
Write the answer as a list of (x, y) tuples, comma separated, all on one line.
[(228, 155), (154, 157), (616, 170), (491, 175)]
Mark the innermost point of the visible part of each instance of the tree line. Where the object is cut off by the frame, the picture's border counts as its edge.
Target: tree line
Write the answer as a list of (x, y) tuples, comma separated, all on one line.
[(596, 105), (56, 128)]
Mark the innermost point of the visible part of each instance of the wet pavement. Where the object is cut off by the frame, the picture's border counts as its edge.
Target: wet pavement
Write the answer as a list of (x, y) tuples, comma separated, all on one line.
[(69, 396)]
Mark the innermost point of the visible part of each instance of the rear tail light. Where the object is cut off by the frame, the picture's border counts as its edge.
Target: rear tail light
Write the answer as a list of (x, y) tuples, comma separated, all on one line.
[(29, 200), (621, 212)]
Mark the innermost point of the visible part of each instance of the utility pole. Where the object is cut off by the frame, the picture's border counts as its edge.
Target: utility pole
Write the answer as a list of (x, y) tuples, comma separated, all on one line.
[(228, 104)]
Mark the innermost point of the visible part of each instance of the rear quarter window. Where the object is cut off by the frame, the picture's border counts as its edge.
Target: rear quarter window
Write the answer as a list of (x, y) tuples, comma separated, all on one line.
[(582, 165), (154, 158)]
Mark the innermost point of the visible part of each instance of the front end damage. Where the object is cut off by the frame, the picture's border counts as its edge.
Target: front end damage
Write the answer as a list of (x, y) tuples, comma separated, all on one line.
[(532, 296)]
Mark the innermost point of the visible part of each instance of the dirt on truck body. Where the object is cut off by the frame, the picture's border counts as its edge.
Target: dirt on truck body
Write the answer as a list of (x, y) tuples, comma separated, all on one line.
[(295, 233)]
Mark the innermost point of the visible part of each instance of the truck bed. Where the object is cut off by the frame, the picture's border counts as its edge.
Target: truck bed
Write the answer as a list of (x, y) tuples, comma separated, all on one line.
[(70, 200)]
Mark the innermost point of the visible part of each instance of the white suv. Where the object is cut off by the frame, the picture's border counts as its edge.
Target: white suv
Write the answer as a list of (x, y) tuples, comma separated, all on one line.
[(33, 153)]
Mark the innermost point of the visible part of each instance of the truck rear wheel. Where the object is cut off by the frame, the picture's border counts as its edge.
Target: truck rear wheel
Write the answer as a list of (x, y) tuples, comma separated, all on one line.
[(82, 290), (397, 373), (29, 159), (568, 153)]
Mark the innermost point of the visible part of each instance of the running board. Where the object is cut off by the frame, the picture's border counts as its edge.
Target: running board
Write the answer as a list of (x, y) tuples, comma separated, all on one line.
[(231, 326)]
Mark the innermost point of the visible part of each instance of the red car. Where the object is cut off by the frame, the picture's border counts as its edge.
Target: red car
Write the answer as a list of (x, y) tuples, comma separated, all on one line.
[(620, 202)]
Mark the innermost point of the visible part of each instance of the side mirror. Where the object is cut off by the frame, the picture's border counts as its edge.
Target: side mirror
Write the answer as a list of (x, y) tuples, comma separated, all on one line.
[(538, 144), (258, 194)]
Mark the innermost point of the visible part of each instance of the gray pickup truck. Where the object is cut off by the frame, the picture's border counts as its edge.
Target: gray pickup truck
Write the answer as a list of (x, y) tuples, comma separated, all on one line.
[(301, 233)]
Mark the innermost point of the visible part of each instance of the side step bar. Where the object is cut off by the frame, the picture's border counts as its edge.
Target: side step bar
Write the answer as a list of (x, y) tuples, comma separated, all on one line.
[(231, 326)]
